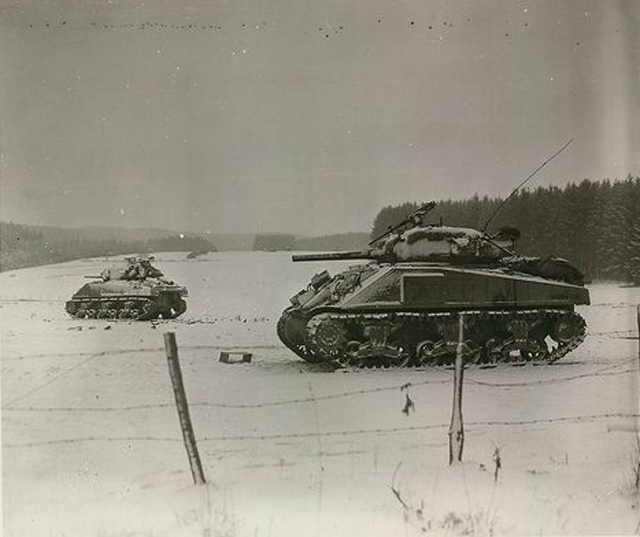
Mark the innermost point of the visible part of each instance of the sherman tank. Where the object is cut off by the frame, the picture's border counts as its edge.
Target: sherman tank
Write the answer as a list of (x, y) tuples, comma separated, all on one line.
[(401, 306), (133, 290)]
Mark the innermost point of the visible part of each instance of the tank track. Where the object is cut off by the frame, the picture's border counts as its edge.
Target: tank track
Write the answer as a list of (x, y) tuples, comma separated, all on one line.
[(404, 339), (287, 319), (127, 308)]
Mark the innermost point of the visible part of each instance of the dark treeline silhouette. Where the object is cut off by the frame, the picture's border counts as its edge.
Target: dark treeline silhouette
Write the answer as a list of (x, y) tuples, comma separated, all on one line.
[(179, 243), (593, 224), (25, 246)]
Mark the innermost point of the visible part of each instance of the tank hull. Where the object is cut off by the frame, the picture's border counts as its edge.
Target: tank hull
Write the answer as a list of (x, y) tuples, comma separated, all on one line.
[(406, 314)]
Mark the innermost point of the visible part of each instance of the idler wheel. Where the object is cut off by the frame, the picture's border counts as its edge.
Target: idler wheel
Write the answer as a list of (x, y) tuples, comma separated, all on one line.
[(72, 308), (567, 328), (179, 307)]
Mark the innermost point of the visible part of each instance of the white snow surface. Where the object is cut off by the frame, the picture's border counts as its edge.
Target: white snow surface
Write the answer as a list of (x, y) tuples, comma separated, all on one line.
[(92, 444)]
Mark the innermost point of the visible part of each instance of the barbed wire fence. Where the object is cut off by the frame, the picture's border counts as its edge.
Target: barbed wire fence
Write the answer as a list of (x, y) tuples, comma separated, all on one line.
[(624, 367)]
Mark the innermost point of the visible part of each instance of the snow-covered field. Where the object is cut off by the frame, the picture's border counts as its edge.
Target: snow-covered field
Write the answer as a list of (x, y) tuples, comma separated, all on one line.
[(92, 445)]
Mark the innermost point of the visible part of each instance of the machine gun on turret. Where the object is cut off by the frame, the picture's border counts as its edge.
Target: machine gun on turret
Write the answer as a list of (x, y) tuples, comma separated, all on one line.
[(416, 218)]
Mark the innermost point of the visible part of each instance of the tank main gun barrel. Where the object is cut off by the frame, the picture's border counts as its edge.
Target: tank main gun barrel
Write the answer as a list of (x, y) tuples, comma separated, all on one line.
[(334, 256), (93, 277)]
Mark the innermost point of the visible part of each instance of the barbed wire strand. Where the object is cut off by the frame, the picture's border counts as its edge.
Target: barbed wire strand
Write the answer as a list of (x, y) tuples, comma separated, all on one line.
[(301, 400), (313, 434), (119, 352), (543, 382), (49, 382), (231, 405)]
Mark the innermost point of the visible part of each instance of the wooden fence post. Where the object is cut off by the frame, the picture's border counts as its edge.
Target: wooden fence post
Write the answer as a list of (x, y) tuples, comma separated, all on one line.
[(171, 348), (638, 321), (456, 431)]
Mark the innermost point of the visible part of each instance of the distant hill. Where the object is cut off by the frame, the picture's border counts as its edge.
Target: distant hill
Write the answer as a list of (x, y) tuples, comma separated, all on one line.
[(222, 241), (229, 241), (26, 246), (268, 242), (331, 243)]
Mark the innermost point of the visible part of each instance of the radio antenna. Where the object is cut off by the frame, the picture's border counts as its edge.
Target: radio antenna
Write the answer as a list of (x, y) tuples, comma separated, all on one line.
[(486, 225)]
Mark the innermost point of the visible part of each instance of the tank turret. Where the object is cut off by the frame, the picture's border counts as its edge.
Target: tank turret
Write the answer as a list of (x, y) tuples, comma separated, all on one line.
[(400, 306), (133, 289)]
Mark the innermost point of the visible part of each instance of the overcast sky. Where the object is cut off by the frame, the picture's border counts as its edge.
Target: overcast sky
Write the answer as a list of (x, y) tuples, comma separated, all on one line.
[(304, 116)]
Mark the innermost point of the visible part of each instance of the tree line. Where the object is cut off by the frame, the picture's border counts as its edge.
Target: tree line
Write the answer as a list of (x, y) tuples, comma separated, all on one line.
[(25, 246), (593, 224)]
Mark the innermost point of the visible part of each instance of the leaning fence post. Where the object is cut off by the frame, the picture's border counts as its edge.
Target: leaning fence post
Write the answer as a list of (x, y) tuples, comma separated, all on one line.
[(456, 431), (175, 373)]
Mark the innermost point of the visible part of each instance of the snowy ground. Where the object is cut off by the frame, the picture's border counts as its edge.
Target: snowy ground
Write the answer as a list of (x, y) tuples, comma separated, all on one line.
[(92, 445)]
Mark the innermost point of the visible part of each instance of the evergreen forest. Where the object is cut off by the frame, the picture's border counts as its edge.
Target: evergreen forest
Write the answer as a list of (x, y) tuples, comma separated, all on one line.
[(593, 224)]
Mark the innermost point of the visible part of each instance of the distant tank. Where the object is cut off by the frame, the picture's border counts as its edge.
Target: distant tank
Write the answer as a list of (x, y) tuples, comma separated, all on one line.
[(401, 308), (133, 290)]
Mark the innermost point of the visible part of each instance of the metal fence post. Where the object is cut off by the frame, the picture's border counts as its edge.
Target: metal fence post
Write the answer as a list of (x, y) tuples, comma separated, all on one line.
[(456, 431), (171, 348)]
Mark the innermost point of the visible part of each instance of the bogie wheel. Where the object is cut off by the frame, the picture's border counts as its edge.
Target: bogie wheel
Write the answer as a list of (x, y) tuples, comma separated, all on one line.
[(349, 357), (472, 353), (424, 353), (401, 359), (351, 354), (492, 351), (536, 351), (148, 311), (444, 353)]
